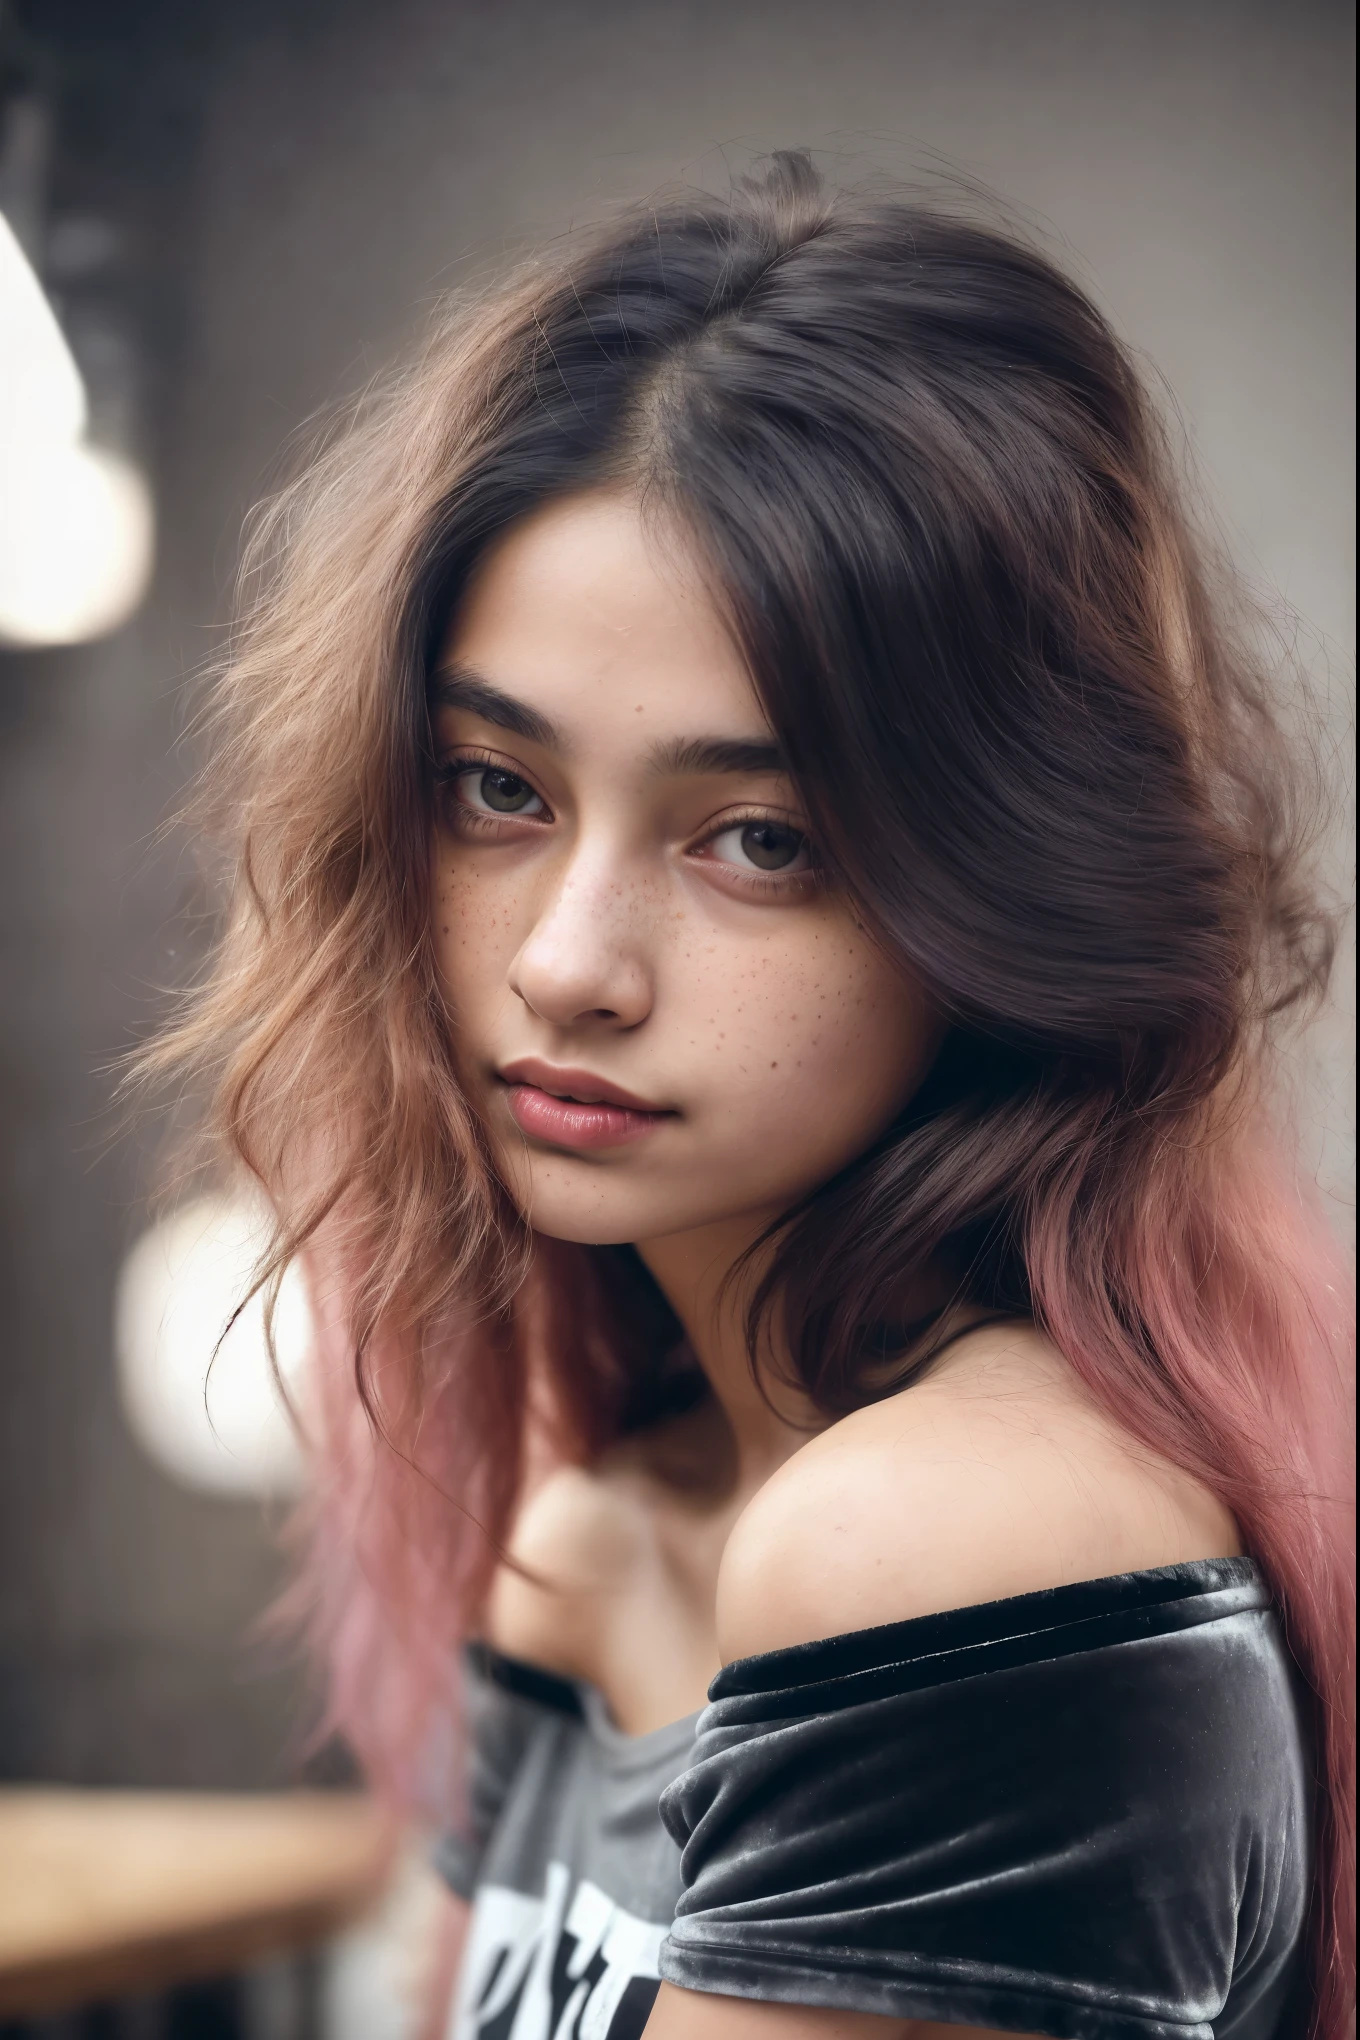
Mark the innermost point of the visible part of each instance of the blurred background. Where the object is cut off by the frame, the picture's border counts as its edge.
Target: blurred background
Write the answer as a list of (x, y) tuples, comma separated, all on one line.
[(230, 216)]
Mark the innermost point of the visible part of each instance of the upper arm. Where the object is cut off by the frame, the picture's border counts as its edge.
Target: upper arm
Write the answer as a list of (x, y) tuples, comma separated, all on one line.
[(998, 1477), (700, 2015)]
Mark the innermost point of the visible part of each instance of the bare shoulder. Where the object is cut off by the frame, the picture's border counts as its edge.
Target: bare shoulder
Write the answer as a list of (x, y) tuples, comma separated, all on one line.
[(589, 1539), (996, 1475), (576, 1538)]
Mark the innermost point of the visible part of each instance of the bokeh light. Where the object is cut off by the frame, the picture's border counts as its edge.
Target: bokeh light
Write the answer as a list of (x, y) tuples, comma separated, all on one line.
[(197, 1389)]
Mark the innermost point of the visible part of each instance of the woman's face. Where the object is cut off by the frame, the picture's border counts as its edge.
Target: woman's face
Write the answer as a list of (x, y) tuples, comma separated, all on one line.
[(663, 1019)]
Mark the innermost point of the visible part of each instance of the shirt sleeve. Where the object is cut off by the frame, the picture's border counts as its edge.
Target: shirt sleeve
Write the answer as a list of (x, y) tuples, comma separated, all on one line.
[(1093, 1828)]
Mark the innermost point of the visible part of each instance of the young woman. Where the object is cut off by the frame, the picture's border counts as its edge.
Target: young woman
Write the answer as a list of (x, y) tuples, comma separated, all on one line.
[(762, 883)]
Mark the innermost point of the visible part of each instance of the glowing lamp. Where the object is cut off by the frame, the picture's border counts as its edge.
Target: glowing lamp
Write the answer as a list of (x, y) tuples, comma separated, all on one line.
[(76, 524)]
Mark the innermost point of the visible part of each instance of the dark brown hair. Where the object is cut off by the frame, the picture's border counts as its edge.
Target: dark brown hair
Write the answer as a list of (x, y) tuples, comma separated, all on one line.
[(934, 501)]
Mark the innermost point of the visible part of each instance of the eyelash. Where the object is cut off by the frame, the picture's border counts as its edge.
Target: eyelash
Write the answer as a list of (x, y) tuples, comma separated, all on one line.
[(449, 771), (762, 882)]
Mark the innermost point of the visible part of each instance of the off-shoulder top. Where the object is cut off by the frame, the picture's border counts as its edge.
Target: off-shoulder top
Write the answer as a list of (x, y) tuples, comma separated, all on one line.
[(1082, 1812)]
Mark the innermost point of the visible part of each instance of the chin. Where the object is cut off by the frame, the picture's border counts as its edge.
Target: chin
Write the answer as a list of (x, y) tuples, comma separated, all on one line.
[(590, 1221), (585, 1230), (601, 1207), (564, 1199)]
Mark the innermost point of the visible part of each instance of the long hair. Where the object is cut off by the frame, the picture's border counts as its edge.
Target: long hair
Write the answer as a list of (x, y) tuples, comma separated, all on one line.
[(932, 498)]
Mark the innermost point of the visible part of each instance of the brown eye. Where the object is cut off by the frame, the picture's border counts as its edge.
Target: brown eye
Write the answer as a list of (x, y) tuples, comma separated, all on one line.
[(494, 790), (770, 847), (761, 845), (505, 792)]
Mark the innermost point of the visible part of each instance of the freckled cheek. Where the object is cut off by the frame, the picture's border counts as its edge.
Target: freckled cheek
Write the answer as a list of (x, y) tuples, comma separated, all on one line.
[(831, 1032), (476, 936)]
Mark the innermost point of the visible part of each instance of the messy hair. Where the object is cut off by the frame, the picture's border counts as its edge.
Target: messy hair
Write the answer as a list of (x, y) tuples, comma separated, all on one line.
[(934, 503)]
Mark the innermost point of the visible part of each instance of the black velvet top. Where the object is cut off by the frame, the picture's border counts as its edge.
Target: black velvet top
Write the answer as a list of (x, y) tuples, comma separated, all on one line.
[(1081, 1812)]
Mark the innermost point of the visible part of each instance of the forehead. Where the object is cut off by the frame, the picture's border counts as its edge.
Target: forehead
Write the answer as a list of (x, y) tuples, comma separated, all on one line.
[(592, 614)]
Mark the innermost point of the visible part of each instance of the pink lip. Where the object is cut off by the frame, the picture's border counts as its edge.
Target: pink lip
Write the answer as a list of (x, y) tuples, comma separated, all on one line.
[(574, 1109)]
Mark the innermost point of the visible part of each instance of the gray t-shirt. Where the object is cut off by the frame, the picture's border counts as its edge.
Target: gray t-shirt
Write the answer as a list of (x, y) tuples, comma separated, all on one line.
[(573, 1877), (1083, 1812)]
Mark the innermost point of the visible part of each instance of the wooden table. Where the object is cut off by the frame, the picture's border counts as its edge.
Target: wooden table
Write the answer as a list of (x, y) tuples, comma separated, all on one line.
[(109, 1894)]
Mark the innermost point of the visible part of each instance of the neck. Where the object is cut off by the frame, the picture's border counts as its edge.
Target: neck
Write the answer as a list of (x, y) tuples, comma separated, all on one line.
[(692, 1268)]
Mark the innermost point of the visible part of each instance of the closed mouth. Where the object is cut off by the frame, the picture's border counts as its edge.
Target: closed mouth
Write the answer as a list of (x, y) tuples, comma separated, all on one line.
[(578, 1087)]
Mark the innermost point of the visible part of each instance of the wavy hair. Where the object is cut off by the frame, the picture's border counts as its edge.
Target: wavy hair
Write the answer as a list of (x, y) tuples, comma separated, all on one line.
[(933, 500)]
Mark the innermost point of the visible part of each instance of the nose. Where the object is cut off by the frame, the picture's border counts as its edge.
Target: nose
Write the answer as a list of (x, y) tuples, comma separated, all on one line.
[(585, 958)]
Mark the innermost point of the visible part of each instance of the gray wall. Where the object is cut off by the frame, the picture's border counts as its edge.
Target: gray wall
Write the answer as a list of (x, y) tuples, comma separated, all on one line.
[(340, 165)]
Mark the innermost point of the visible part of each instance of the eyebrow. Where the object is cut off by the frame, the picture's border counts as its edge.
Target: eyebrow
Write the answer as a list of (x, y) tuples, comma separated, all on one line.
[(463, 687), (718, 754)]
